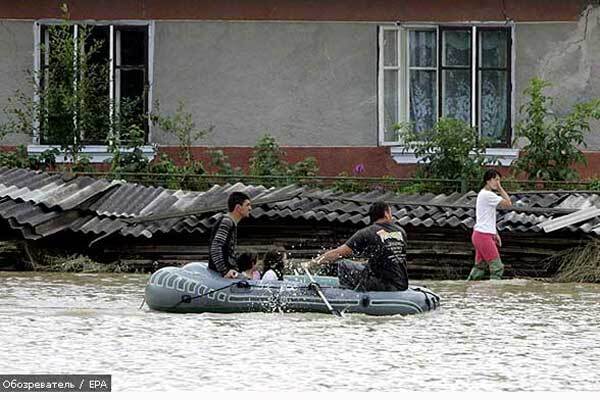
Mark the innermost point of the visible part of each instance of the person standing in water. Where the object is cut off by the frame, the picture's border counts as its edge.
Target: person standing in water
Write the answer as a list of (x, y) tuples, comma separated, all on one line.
[(223, 239), (485, 238)]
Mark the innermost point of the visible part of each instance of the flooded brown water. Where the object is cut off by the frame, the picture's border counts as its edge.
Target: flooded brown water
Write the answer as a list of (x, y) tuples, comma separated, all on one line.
[(509, 335)]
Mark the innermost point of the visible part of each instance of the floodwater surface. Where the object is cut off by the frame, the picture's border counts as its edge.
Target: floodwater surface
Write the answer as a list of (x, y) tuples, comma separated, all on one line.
[(508, 335)]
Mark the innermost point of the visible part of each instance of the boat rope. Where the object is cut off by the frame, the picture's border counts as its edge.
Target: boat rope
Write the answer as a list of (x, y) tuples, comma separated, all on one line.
[(434, 297), (143, 301), (186, 298)]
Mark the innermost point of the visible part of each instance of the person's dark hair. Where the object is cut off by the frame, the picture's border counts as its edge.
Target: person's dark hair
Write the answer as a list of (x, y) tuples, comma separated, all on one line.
[(236, 198), (490, 174), (377, 210), (274, 259), (246, 260)]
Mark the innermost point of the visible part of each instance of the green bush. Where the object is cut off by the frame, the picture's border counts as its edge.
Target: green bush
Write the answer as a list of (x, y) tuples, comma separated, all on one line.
[(21, 159), (305, 168), (552, 140), (594, 184), (182, 125), (221, 164), (268, 160), (127, 162), (451, 150), (64, 111)]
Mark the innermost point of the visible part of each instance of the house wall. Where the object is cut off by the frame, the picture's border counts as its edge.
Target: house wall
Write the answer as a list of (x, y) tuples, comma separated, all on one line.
[(314, 84), (311, 84), (568, 56), (305, 10), (16, 57), (304, 83)]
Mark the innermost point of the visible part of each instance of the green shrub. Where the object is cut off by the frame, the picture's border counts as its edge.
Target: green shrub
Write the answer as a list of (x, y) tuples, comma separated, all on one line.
[(594, 184), (347, 183), (452, 149), (127, 162), (64, 111), (305, 168), (221, 165), (182, 125), (21, 159), (267, 158), (552, 150)]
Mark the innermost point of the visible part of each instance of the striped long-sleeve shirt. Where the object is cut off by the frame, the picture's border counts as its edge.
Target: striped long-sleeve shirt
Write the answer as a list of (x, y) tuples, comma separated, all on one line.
[(221, 253)]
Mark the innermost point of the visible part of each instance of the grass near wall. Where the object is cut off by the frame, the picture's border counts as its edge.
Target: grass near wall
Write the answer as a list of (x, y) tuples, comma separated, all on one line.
[(581, 264)]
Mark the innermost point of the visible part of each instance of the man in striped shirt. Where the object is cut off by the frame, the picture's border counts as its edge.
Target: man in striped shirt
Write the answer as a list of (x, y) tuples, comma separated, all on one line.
[(223, 239)]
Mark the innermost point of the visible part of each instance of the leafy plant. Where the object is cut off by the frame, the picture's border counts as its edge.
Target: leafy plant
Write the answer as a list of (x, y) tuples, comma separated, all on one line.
[(70, 106), (163, 164), (347, 183), (267, 158), (452, 149), (304, 168), (553, 141), (182, 125), (128, 156), (594, 184), (221, 164), (21, 159)]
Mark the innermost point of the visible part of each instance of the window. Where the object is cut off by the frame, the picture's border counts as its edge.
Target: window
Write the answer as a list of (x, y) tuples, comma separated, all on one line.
[(115, 90), (460, 72)]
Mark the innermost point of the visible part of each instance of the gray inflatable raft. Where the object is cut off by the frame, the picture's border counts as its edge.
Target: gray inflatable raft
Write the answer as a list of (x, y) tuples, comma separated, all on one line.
[(196, 289)]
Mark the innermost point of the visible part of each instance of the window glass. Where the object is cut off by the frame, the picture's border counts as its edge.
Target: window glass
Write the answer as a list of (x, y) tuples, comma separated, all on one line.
[(422, 45), (133, 48), (494, 104), (390, 48), (423, 99), (493, 48), (75, 98), (390, 105), (457, 48), (456, 99), (435, 77)]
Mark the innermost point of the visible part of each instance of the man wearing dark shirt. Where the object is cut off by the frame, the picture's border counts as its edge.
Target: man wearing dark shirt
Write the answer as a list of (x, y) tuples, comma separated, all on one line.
[(223, 239), (384, 245)]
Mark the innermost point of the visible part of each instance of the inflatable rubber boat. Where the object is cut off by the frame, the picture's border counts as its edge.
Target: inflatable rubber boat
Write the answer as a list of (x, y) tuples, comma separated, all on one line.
[(196, 289)]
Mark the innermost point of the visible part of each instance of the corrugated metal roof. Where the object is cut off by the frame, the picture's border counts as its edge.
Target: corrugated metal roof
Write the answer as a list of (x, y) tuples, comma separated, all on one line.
[(585, 214), (50, 190), (37, 204)]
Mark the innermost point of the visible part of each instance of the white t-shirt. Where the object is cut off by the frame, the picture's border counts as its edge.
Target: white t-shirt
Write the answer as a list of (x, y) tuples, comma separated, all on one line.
[(485, 211), (270, 275)]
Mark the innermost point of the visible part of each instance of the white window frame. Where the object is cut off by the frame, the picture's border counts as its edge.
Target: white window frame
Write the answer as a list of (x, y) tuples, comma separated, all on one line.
[(399, 152), (97, 153)]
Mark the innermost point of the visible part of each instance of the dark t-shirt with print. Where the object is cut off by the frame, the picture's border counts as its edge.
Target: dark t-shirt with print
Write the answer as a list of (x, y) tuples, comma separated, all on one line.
[(384, 244)]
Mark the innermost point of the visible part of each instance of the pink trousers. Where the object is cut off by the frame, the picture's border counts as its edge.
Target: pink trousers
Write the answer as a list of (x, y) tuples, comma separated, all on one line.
[(485, 246)]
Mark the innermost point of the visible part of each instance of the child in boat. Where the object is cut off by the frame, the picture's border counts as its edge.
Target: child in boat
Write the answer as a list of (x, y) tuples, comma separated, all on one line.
[(247, 266), (273, 264)]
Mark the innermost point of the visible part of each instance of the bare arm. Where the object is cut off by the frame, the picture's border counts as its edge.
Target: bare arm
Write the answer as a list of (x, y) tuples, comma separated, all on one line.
[(505, 202), (333, 255)]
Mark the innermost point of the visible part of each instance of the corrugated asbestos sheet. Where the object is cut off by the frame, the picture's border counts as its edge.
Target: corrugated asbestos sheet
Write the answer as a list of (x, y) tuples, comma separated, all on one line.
[(38, 205)]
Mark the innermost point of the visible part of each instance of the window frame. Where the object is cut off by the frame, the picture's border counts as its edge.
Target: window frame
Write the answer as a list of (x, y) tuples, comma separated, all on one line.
[(403, 48), (509, 81), (95, 151)]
